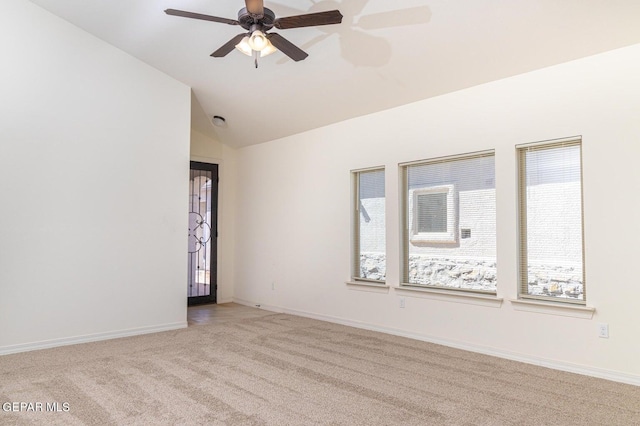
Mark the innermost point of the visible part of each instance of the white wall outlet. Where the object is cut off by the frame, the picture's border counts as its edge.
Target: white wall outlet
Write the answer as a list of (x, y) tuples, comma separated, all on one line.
[(402, 302), (603, 330)]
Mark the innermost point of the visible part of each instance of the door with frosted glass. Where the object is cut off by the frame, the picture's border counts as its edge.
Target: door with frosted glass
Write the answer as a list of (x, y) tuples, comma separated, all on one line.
[(203, 215)]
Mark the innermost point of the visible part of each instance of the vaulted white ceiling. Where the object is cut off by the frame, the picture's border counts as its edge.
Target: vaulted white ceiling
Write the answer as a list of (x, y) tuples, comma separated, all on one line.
[(384, 54)]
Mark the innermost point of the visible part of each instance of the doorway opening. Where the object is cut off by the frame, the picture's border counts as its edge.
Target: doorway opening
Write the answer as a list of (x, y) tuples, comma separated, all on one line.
[(203, 233)]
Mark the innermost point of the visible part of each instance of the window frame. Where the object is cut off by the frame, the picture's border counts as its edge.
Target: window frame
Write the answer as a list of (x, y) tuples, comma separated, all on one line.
[(438, 237), (406, 231), (523, 259), (355, 225)]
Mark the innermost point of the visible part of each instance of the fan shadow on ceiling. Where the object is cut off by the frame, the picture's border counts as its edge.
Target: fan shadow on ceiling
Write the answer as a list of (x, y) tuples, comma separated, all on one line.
[(354, 33)]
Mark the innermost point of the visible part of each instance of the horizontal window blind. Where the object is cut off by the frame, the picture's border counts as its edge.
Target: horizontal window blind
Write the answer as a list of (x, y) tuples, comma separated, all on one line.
[(441, 197), (369, 257), (551, 259)]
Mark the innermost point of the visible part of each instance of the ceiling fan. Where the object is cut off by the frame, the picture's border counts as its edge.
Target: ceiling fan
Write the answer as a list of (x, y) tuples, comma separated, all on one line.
[(258, 19)]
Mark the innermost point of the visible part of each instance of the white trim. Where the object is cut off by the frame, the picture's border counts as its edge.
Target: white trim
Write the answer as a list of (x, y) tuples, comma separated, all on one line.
[(551, 142), (270, 308), (447, 158), (209, 160), (370, 283), (47, 344), (601, 373), (553, 308), (453, 295), (368, 169), (371, 286)]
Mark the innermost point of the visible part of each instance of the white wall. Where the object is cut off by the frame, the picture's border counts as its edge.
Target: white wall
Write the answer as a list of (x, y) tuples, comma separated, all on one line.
[(293, 218), (94, 158), (208, 150)]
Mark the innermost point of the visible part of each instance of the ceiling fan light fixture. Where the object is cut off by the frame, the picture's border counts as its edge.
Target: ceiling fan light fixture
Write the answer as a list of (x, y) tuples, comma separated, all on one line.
[(257, 19), (258, 40), (244, 46), (268, 50)]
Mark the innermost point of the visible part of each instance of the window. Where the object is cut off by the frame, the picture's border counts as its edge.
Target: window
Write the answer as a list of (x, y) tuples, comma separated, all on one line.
[(434, 215), (449, 215), (369, 261), (431, 209), (550, 214)]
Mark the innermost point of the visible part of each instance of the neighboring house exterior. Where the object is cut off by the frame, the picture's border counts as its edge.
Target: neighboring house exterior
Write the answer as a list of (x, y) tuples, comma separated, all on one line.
[(461, 208)]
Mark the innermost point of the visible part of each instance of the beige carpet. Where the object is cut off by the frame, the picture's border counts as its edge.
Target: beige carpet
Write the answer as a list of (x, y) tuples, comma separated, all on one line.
[(285, 370)]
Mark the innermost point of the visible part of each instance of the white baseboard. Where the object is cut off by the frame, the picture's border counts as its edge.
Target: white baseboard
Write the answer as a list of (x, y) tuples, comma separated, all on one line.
[(46, 344), (615, 376), (260, 306)]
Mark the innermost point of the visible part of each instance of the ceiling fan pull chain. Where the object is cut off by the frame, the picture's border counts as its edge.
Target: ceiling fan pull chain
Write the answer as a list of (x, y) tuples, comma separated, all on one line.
[(255, 57)]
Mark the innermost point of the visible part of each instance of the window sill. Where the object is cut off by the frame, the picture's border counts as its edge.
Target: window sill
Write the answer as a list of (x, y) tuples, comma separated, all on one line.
[(470, 298), (380, 287), (549, 308)]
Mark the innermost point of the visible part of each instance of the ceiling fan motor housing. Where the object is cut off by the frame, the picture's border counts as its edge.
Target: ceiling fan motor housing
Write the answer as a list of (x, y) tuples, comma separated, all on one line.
[(249, 21)]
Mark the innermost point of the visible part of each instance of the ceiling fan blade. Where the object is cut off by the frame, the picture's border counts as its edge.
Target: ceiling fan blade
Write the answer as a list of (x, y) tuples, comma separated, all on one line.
[(309, 20), (255, 7), (286, 47), (193, 15), (228, 46)]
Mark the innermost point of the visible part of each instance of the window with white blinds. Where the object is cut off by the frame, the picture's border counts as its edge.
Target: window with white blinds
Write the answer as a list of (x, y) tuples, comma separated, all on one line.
[(449, 223), (369, 262), (550, 221)]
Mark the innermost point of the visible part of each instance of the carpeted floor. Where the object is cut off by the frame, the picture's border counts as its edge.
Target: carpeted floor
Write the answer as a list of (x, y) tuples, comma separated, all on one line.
[(278, 369)]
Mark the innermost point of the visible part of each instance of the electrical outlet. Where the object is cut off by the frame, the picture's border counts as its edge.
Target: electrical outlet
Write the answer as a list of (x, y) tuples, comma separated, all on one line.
[(603, 330), (402, 302)]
